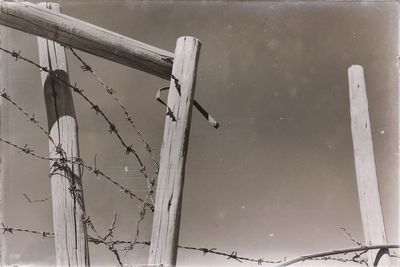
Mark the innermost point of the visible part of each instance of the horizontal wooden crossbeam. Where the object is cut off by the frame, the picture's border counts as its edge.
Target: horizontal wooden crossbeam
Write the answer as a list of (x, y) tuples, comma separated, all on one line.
[(64, 29)]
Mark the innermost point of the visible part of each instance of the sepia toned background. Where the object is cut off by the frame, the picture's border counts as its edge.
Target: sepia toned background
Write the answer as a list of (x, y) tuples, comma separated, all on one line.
[(276, 180)]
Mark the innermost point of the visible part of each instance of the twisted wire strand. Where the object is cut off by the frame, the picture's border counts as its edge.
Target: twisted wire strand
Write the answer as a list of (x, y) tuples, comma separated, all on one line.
[(112, 128), (112, 92)]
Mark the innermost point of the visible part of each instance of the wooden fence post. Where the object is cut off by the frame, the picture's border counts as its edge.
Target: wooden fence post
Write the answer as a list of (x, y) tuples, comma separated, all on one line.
[(3, 132), (66, 184), (398, 113), (2, 158), (368, 192), (168, 202)]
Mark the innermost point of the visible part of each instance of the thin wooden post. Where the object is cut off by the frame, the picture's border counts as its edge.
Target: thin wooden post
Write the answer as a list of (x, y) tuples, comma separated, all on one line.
[(66, 184), (168, 202), (3, 132), (398, 114), (2, 158), (368, 192)]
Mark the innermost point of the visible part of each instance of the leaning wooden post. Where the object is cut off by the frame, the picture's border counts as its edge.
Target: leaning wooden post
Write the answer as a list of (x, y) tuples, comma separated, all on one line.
[(66, 184), (168, 202), (368, 192)]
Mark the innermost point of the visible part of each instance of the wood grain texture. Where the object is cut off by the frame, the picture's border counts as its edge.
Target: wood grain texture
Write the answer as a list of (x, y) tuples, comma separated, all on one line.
[(68, 206), (168, 202), (368, 192), (81, 35)]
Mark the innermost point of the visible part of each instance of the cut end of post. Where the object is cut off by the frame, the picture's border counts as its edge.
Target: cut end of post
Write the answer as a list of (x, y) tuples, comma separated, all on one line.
[(356, 78), (355, 68), (189, 37)]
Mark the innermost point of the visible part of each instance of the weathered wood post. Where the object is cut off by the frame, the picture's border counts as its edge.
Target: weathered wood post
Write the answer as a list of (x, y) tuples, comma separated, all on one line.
[(398, 110), (67, 30), (3, 132), (368, 192), (66, 184), (168, 202), (2, 156)]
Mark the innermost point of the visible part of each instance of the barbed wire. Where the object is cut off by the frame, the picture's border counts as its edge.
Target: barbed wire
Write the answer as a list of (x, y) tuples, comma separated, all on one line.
[(63, 161), (96, 171), (87, 68), (148, 201), (321, 255), (61, 164), (356, 258), (112, 128), (30, 117), (112, 92), (348, 236), (233, 255), (112, 244), (107, 239), (362, 261), (150, 183), (25, 149), (11, 230), (103, 239)]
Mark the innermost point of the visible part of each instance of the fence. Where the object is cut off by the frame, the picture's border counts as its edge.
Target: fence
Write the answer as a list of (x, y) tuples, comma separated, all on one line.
[(67, 166)]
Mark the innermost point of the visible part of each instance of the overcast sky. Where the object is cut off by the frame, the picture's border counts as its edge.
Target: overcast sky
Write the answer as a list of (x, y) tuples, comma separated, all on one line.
[(276, 179)]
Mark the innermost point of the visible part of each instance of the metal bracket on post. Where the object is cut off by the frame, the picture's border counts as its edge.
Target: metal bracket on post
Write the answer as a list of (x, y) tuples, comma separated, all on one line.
[(168, 202)]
